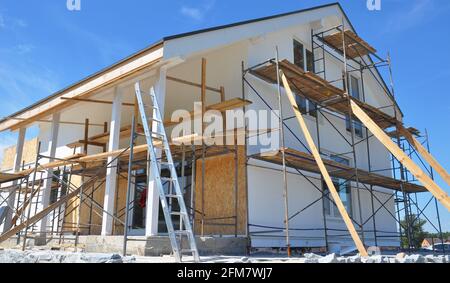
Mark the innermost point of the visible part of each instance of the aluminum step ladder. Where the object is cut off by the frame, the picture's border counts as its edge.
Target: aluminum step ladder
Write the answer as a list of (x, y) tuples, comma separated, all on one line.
[(151, 116)]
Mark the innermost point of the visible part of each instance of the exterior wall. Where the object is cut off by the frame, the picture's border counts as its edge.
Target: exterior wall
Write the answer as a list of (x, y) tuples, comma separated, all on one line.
[(265, 185)]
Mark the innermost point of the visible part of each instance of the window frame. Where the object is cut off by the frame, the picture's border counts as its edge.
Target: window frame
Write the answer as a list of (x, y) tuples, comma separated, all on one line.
[(306, 106), (333, 211), (357, 125)]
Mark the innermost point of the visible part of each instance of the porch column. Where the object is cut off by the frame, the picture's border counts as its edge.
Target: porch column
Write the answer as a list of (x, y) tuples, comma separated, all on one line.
[(152, 212), (16, 168), (111, 171), (47, 187)]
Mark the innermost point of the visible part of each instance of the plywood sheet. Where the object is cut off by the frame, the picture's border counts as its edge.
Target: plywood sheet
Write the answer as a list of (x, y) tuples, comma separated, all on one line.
[(219, 193)]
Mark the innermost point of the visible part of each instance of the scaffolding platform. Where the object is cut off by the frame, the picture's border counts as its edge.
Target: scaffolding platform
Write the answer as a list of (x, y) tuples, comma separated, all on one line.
[(355, 46), (320, 91), (5, 177), (304, 161)]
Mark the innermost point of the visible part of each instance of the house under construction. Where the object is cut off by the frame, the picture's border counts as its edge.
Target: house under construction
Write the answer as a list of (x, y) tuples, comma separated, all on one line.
[(106, 173)]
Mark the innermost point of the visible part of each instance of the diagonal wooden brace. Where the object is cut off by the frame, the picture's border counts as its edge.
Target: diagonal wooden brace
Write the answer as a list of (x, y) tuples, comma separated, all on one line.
[(401, 156), (348, 222)]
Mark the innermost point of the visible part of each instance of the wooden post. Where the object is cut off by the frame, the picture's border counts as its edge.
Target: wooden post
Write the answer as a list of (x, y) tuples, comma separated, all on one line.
[(323, 170), (203, 98), (86, 136), (224, 120), (401, 156), (105, 130)]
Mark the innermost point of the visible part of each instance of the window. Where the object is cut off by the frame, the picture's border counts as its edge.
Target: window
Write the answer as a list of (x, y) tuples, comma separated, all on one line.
[(312, 109), (309, 61), (299, 54), (344, 189), (355, 92), (301, 104), (306, 63)]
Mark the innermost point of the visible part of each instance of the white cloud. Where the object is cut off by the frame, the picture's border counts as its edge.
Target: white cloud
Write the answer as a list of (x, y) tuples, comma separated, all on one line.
[(193, 13), (197, 13)]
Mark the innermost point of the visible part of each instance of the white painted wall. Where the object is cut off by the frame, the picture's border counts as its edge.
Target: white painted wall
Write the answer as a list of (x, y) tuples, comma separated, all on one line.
[(265, 185)]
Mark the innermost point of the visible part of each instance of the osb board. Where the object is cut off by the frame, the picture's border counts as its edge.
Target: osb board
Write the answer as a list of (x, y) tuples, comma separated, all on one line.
[(96, 215), (29, 154), (219, 193)]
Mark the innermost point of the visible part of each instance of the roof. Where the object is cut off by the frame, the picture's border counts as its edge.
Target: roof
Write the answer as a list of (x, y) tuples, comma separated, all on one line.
[(171, 37)]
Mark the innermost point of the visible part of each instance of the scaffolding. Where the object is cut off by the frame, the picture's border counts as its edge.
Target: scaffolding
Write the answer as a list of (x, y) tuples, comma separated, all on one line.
[(343, 45), (189, 152)]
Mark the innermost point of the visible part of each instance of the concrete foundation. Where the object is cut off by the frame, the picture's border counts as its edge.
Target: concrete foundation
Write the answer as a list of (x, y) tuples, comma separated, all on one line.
[(142, 246)]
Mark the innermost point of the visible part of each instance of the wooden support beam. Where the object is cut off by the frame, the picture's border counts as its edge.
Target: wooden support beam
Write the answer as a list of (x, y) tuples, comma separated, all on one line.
[(401, 156), (61, 122), (192, 84), (96, 101), (348, 222), (425, 154), (86, 136)]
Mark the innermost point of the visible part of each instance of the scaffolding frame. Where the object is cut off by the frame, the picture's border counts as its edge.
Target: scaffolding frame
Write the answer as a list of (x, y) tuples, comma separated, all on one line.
[(323, 110)]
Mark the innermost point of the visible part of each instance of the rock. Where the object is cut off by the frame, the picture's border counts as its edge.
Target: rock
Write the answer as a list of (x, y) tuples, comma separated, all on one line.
[(44, 256), (130, 259), (377, 259), (430, 259), (244, 259), (354, 259), (312, 258), (400, 258), (415, 259), (70, 258), (331, 258), (439, 259), (115, 258), (30, 258)]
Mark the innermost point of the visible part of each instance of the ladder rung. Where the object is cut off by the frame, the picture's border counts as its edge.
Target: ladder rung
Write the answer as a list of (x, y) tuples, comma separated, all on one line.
[(168, 179), (173, 196), (178, 213), (154, 120), (181, 232)]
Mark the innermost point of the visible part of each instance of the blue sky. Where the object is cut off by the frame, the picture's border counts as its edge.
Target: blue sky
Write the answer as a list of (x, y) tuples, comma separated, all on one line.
[(45, 47)]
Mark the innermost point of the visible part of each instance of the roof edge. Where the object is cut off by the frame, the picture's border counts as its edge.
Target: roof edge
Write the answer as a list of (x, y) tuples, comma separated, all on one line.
[(156, 45)]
